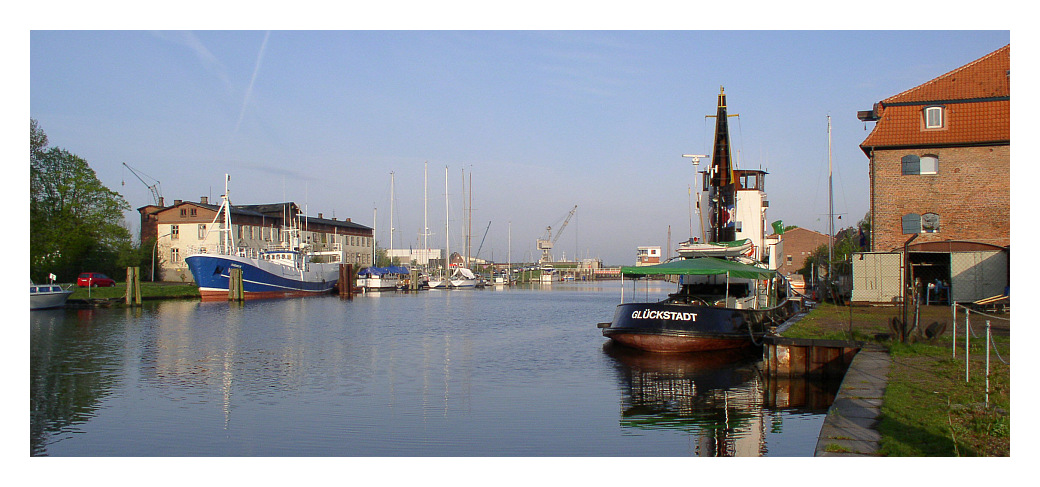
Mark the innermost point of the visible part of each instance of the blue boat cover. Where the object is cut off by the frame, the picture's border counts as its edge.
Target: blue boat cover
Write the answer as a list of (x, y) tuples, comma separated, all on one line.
[(379, 271)]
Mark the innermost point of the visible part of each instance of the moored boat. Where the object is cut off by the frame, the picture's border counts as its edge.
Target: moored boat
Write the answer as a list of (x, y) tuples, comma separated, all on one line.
[(282, 270), (725, 299), (463, 278), (720, 304), (382, 278), (47, 296)]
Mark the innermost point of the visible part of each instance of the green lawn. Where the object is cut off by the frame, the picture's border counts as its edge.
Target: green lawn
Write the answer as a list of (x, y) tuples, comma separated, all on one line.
[(929, 409)]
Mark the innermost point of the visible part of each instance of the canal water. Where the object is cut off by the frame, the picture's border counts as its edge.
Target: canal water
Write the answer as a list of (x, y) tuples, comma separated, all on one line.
[(509, 372)]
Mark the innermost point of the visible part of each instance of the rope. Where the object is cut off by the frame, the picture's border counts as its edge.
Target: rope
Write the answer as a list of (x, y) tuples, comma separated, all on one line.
[(993, 345)]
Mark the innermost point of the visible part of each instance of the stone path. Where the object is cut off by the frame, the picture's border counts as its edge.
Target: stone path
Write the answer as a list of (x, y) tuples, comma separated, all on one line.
[(850, 429)]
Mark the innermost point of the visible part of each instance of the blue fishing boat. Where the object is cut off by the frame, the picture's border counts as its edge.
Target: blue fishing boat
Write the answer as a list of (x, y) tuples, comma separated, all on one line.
[(283, 270)]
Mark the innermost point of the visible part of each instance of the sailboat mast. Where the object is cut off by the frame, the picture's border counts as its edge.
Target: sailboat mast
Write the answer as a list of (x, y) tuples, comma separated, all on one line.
[(425, 224), (447, 238), (469, 232), (830, 202), (391, 214)]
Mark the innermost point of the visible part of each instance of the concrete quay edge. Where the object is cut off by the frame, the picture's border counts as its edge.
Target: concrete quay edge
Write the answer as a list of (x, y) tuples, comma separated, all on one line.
[(850, 428)]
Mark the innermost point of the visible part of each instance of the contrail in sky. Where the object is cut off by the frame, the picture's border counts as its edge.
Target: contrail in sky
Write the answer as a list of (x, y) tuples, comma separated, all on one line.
[(249, 90)]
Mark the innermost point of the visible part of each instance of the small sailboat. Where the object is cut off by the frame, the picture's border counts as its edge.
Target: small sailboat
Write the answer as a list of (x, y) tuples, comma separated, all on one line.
[(463, 278)]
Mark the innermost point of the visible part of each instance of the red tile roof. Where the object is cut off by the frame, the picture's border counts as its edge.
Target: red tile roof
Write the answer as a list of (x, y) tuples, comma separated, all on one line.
[(977, 104)]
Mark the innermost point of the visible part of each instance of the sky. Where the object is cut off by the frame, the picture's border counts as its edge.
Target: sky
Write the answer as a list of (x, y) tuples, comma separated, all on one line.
[(541, 120)]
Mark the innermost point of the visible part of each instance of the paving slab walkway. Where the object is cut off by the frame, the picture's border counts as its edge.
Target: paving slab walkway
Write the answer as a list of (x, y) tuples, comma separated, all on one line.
[(850, 428)]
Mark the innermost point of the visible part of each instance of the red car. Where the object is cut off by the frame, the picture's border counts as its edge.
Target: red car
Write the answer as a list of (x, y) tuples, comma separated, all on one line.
[(94, 279)]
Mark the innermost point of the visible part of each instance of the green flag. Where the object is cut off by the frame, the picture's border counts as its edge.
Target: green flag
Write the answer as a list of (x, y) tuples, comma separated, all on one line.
[(778, 227)]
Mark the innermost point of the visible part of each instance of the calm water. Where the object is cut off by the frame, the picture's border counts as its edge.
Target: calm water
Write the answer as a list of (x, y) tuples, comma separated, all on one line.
[(515, 372)]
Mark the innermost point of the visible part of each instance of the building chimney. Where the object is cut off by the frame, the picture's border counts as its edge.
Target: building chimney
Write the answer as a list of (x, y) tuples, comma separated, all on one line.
[(161, 202), (176, 202), (204, 200), (319, 215), (348, 220)]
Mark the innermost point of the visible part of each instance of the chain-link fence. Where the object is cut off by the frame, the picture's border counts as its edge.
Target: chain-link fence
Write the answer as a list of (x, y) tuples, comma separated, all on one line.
[(945, 277)]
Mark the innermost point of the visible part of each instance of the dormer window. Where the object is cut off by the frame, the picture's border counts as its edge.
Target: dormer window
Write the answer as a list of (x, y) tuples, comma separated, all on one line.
[(933, 118)]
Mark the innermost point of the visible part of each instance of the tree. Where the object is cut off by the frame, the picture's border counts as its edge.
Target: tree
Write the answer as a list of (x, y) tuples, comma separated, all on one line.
[(846, 242), (75, 222)]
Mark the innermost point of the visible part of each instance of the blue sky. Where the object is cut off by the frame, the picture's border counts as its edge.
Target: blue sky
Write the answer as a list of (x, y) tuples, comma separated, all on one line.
[(543, 120)]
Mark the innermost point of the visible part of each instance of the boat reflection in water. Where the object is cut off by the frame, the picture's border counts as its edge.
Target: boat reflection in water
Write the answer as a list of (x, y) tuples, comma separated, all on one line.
[(722, 398)]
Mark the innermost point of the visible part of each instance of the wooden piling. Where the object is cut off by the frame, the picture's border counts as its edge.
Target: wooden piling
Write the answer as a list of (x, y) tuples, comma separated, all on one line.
[(133, 286), (235, 289), (346, 280)]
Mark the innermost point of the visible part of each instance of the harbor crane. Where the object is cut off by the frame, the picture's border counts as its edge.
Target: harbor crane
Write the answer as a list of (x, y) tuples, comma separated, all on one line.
[(546, 244), (154, 188)]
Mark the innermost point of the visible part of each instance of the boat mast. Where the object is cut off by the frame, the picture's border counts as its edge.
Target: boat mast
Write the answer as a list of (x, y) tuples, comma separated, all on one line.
[(229, 245), (391, 216), (426, 227), (447, 238), (830, 203), (722, 190), (469, 231)]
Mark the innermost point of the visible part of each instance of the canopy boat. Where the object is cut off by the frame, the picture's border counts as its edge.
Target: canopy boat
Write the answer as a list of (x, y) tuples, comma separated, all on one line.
[(46, 296), (725, 298), (382, 278), (719, 304), (285, 269)]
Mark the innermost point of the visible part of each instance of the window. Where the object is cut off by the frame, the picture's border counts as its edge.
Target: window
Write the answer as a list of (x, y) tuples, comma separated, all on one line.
[(926, 223), (175, 255), (202, 231), (194, 212), (933, 118), (911, 223), (911, 164), (929, 164), (914, 164), (929, 223), (184, 212), (175, 232)]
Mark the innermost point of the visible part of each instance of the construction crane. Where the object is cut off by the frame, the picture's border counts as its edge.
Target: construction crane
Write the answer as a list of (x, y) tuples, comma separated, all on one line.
[(154, 188), (546, 244)]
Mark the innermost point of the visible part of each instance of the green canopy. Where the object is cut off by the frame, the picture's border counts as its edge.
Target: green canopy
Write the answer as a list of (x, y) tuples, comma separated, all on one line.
[(702, 266)]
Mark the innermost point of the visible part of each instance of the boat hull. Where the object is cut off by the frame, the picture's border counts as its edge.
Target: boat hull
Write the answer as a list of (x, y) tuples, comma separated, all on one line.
[(676, 328), (47, 299), (260, 279)]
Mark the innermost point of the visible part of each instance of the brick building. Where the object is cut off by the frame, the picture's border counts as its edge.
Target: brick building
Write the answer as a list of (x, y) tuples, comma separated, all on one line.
[(940, 158), (187, 226), (940, 174), (799, 243)]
